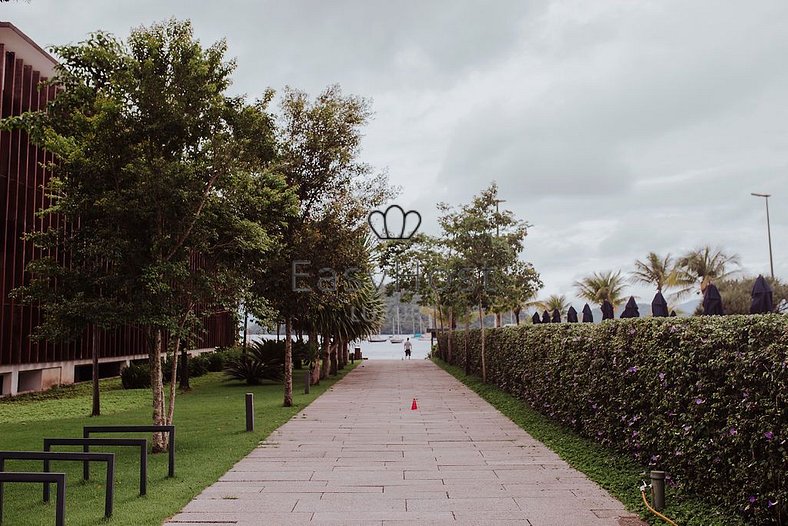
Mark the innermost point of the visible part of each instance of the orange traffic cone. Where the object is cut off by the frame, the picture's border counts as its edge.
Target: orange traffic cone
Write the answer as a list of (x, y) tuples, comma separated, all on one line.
[(414, 406)]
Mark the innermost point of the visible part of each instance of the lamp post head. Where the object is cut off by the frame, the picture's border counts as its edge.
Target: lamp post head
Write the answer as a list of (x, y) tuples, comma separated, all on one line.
[(760, 195)]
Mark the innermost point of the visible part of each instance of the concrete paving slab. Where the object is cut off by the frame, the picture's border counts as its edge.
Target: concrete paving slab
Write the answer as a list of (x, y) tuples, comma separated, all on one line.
[(359, 455)]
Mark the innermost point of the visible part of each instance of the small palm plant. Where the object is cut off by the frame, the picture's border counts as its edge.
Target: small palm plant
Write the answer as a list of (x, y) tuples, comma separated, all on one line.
[(263, 361), (553, 302)]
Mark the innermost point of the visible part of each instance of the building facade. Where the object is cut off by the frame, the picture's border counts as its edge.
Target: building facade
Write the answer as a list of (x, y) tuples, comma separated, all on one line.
[(27, 364)]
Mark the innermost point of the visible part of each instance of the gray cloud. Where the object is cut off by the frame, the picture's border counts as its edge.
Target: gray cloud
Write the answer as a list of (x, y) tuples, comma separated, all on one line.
[(614, 127)]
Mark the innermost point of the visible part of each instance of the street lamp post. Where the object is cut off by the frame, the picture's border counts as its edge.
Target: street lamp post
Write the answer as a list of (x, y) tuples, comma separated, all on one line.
[(768, 229)]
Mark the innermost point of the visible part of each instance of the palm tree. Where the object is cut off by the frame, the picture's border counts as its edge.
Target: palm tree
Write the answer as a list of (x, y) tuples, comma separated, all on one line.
[(553, 302), (601, 286), (655, 270), (702, 266)]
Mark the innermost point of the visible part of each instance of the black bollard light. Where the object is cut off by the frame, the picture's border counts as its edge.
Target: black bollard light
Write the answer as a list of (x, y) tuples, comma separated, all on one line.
[(249, 412)]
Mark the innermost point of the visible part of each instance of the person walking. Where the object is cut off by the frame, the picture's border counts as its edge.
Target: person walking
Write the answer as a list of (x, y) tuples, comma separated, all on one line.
[(408, 347)]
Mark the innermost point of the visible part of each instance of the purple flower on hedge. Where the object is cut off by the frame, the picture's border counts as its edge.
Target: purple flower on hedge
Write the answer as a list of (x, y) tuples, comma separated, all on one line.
[(733, 431), (673, 328), (699, 401), (632, 369), (769, 435), (752, 499), (661, 376), (632, 331), (770, 503)]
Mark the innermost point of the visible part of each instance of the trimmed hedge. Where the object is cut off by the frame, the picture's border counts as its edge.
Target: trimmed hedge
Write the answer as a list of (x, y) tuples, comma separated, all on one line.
[(703, 398)]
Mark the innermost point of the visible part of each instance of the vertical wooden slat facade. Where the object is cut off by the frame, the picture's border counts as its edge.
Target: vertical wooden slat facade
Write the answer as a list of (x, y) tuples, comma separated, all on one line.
[(22, 177)]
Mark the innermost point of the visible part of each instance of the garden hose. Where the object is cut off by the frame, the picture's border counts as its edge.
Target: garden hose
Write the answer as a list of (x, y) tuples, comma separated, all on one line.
[(652, 510)]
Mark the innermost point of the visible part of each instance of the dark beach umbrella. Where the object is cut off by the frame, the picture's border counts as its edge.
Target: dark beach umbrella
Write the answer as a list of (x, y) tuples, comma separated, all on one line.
[(712, 301), (672, 314), (545, 317), (588, 316), (607, 310), (571, 315), (659, 307), (762, 299), (556, 318), (631, 309), (535, 318)]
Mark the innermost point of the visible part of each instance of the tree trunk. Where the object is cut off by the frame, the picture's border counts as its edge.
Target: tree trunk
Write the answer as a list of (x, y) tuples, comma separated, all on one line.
[(334, 365), (467, 358), (341, 354), (315, 365), (96, 410), (246, 328), (441, 351), (516, 316), (157, 387), (288, 362), (497, 319), (184, 383), (449, 338), (481, 325), (325, 363), (173, 379)]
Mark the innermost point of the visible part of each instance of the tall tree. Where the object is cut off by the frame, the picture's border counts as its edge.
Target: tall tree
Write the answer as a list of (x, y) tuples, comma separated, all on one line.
[(601, 286), (165, 174), (318, 152), (486, 243), (655, 270)]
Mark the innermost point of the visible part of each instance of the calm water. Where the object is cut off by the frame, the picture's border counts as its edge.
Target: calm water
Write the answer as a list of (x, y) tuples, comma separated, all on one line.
[(377, 350)]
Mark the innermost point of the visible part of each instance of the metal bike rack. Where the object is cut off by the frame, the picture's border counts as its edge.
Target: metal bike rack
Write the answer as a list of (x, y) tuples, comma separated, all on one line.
[(140, 443), (45, 478), (87, 430), (47, 457)]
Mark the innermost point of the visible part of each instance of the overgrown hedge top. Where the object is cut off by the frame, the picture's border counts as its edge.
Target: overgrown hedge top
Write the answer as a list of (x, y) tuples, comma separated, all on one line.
[(704, 398)]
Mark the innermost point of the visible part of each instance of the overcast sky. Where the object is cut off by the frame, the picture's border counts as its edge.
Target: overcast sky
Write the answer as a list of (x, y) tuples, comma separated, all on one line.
[(614, 127)]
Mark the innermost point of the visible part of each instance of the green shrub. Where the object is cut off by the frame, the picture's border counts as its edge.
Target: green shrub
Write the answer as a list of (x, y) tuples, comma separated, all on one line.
[(262, 361), (198, 365), (215, 361), (703, 398), (135, 376)]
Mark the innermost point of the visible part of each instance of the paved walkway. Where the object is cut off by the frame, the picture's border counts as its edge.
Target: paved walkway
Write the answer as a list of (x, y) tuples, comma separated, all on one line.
[(359, 455)]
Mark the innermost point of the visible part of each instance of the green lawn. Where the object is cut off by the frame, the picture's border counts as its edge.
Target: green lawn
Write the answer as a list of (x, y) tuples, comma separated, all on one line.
[(614, 471), (210, 424)]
